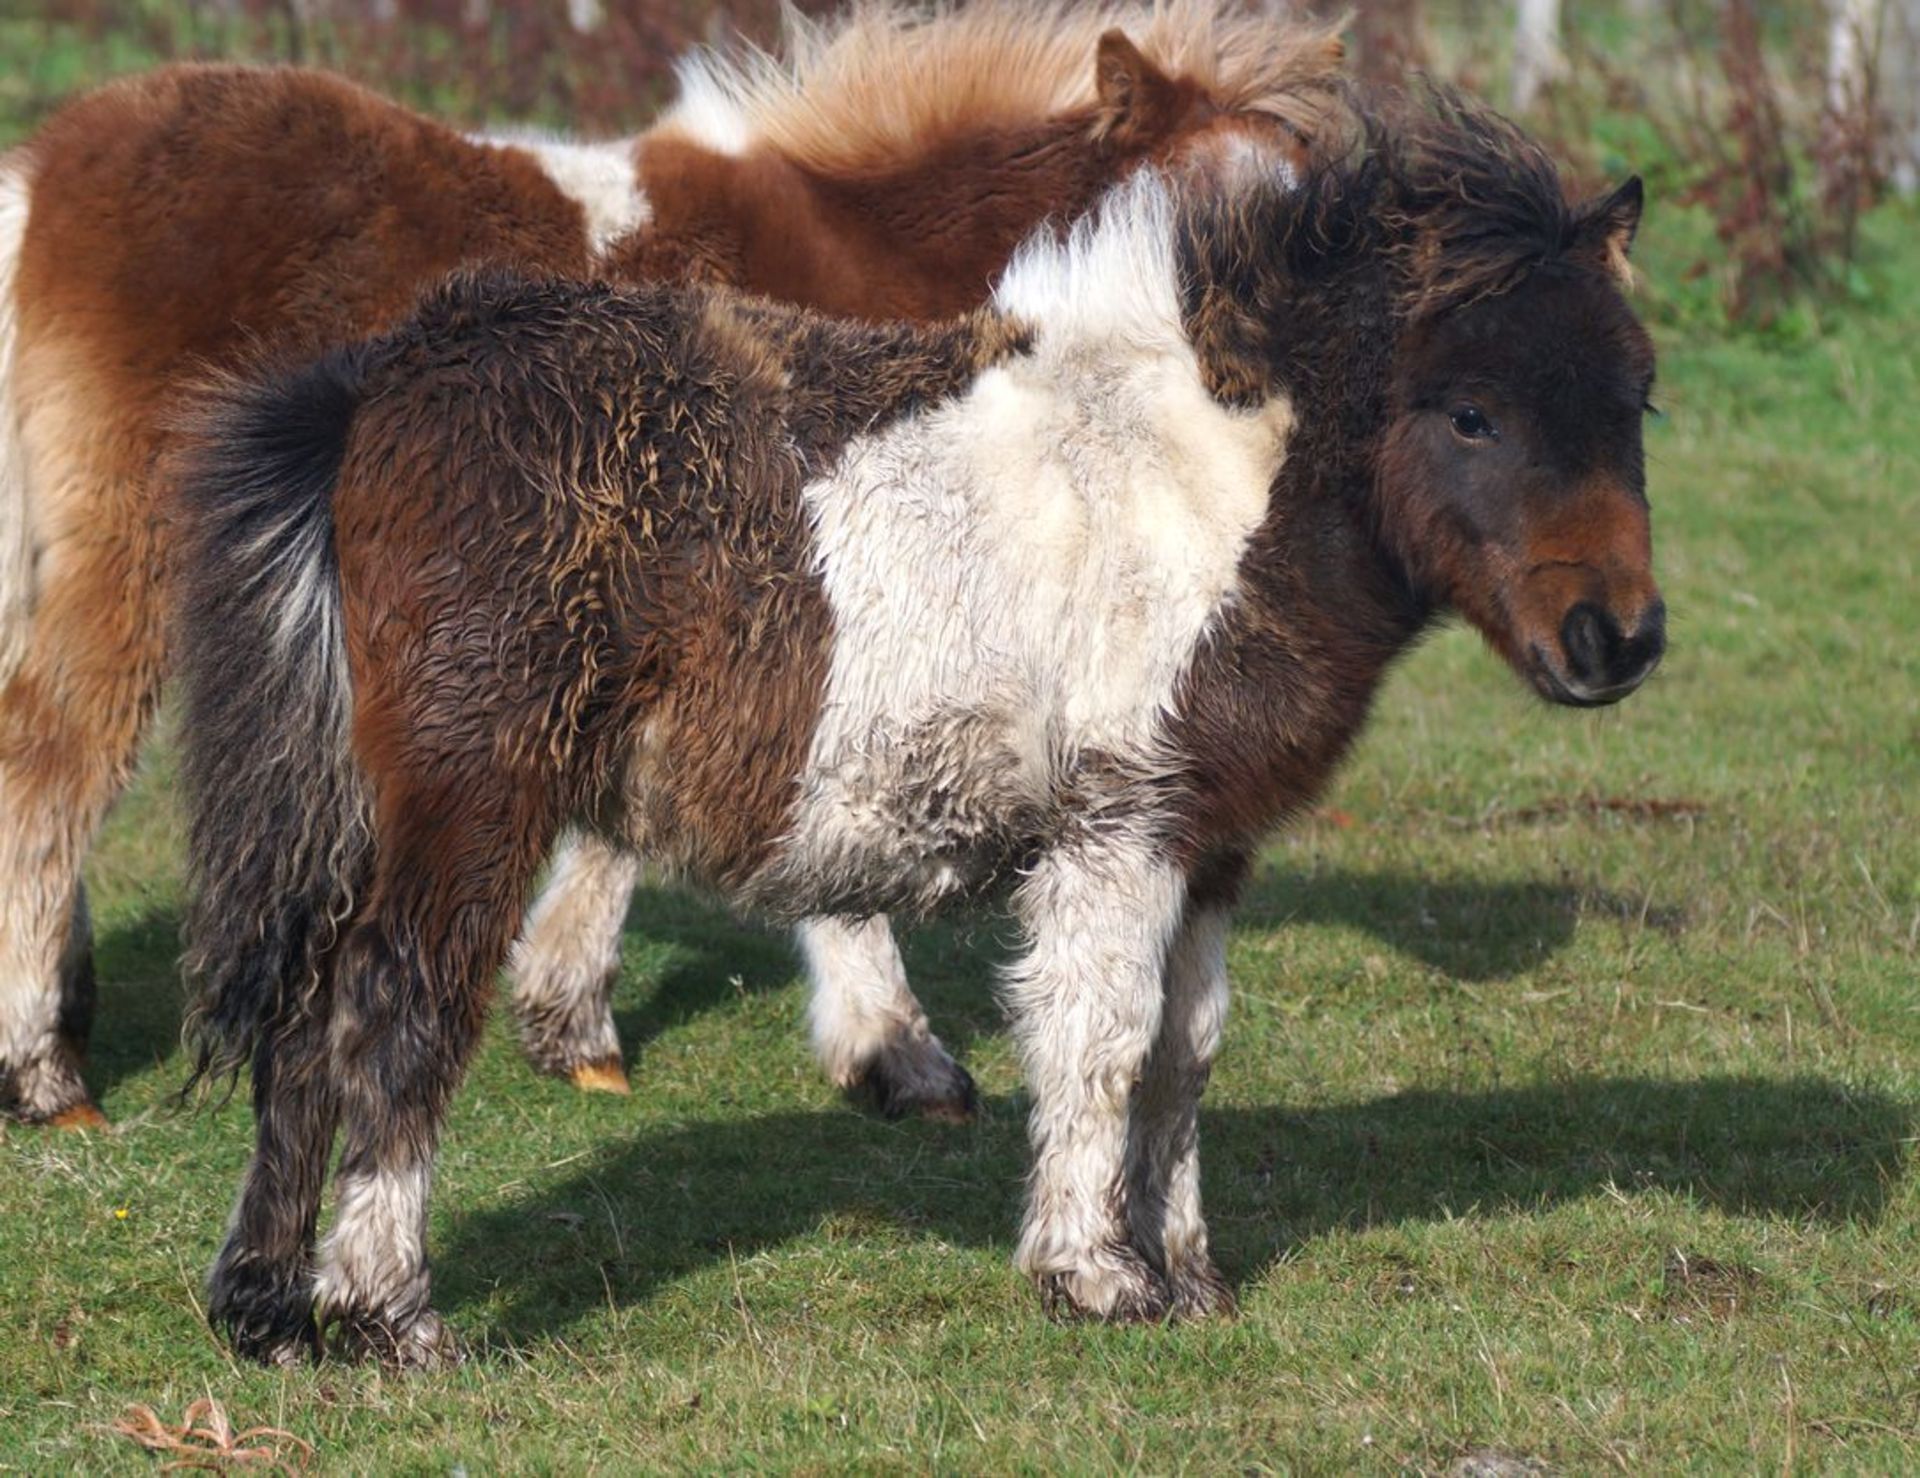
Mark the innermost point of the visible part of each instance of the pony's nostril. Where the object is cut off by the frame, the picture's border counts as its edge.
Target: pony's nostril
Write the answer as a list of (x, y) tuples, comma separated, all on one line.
[(1591, 642)]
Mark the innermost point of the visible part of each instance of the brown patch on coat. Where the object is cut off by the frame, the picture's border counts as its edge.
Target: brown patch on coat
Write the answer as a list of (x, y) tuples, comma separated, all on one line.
[(921, 231), (650, 646)]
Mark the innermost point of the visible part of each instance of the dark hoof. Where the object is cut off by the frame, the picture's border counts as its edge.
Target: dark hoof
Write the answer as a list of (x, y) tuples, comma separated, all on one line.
[(266, 1313), (1120, 1290), (421, 1343), (942, 1091)]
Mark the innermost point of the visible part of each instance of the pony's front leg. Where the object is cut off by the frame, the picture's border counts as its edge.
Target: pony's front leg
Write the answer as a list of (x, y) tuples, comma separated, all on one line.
[(568, 961), (1086, 1002), (1163, 1150), (869, 1031)]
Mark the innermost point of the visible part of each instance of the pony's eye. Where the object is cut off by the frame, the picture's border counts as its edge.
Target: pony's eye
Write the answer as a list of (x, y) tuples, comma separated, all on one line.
[(1471, 424)]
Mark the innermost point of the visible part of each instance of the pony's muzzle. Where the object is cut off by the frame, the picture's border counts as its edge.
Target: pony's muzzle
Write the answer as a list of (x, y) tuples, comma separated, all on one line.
[(1600, 662)]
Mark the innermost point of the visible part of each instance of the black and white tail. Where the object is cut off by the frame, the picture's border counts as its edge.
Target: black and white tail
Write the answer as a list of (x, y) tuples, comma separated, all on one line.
[(278, 823)]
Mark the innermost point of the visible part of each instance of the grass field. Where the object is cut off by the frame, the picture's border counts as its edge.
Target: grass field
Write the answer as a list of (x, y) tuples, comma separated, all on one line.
[(1567, 1112)]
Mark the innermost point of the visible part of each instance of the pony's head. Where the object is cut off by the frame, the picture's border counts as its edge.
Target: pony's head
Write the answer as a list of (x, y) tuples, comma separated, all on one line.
[(1511, 481)]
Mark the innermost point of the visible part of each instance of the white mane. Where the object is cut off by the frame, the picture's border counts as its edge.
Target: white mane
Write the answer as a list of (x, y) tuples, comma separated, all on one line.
[(1114, 275)]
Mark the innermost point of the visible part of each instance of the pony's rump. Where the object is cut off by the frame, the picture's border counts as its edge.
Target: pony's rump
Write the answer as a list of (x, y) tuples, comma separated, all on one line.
[(275, 809)]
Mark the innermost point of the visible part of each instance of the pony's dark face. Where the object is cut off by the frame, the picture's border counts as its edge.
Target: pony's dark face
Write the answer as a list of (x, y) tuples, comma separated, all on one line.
[(1513, 478)]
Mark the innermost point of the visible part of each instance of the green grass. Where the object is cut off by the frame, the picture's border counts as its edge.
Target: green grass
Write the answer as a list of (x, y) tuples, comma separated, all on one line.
[(1567, 1110)]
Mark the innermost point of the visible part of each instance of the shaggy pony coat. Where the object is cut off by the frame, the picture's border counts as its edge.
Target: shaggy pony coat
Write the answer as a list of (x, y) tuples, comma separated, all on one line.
[(1073, 599), (885, 165)]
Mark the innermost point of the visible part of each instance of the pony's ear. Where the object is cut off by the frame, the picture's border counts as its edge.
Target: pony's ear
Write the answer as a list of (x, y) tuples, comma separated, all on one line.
[(1605, 228), (1135, 99)]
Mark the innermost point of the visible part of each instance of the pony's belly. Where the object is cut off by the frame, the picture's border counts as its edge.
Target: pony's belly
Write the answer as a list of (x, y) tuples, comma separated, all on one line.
[(905, 823)]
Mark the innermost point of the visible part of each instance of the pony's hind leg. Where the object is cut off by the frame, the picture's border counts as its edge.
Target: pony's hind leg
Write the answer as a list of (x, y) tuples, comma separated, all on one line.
[(260, 1292), (412, 984), (1086, 1004), (869, 1031), (1163, 1147), (72, 713), (567, 962)]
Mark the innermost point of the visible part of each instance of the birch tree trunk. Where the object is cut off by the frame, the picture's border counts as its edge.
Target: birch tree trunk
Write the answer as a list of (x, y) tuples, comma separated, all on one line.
[(1873, 80), (1536, 50)]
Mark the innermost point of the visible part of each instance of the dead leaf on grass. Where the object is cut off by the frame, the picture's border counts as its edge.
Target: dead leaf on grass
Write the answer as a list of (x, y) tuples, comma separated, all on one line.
[(205, 1440)]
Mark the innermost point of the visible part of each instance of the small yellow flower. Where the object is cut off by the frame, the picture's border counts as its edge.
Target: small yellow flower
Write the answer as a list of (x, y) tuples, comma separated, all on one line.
[(119, 1213)]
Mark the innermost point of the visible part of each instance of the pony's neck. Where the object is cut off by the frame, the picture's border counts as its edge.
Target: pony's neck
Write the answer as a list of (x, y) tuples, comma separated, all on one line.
[(1290, 292), (923, 241)]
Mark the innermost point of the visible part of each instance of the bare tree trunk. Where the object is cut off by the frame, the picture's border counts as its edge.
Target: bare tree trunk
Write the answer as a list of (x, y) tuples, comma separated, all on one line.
[(1537, 59), (1873, 84), (1900, 92)]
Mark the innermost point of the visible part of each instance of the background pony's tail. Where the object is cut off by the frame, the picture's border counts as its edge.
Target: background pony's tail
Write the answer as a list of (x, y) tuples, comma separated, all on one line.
[(15, 547), (278, 820)]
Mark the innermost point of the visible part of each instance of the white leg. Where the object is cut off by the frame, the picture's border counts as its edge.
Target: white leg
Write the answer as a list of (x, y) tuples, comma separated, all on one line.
[(46, 986), (1086, 1002), (568, 959), (1163, 1152), (373, 1265), (868, 1030)]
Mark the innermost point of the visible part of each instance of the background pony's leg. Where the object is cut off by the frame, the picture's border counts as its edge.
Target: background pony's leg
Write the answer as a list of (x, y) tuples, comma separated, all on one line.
[(413, 979), (1163, 1148), (79, 674), (261, 1289), (868, 1030), (1087, 1003), (568, 960)]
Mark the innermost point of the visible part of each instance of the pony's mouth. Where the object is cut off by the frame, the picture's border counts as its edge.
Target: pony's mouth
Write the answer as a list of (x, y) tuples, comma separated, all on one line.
[(1549, 684)]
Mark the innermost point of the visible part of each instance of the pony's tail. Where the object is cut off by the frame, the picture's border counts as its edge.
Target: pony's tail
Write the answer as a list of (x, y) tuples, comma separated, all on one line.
[(16, 566), (277, 812)]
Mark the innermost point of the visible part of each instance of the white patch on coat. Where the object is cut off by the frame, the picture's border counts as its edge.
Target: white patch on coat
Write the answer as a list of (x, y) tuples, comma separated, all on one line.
[(568, 955), (1019, 576), (861, 1011), (708, 108), (374, 1261), (1086, 1005), (16, 565), (602, 178)]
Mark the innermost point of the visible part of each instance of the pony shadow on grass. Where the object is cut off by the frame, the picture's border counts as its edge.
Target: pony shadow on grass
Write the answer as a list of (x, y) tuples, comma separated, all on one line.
[(140, 1000), (668, 1204), (1466, 930), (694, 955)]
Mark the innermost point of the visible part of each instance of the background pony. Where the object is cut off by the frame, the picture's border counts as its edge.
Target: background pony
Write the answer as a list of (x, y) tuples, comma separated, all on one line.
[(885, 165), (1079, 597)]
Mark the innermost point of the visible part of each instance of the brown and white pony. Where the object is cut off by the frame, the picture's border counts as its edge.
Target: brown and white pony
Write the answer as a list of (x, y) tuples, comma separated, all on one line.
[(1078, 596), (885, 165)]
